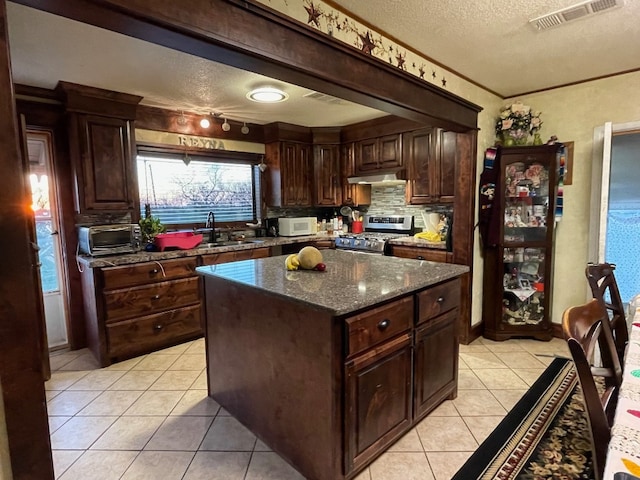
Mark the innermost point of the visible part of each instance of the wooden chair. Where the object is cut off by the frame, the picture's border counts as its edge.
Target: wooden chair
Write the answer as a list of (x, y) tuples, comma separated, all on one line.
[(583, 329), (603, 284)]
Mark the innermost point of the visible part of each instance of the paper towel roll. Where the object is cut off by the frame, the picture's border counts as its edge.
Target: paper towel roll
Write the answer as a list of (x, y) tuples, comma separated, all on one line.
[(431, 221)]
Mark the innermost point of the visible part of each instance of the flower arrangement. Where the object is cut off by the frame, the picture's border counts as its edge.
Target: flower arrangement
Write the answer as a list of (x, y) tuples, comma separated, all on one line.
[(517, 122)]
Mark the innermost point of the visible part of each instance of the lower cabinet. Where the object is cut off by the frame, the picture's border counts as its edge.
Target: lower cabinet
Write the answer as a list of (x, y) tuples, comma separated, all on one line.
[(436, 362), (138, 308), (234, 256), (378, 399), (401, 363), (419, 253)]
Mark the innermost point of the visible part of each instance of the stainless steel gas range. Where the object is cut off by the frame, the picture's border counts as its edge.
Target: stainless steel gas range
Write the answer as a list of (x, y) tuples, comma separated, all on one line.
[(378, 229)]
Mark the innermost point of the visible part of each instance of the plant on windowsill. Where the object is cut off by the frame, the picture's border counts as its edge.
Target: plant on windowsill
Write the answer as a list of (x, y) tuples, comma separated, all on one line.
[(515, 123), (150, 226)]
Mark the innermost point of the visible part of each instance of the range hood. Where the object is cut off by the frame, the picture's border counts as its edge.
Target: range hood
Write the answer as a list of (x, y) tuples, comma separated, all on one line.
[(388, 177)]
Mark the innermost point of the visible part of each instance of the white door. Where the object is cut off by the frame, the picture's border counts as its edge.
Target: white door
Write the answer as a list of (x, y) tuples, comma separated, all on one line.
[(44, 204), (615, 203)]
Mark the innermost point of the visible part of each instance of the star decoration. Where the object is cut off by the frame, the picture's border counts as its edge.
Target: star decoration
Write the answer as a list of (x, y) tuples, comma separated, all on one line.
[(421, 71), (413, 65), (314, 13), (433, 74), (367, 43), (444, 82), (400, 59)]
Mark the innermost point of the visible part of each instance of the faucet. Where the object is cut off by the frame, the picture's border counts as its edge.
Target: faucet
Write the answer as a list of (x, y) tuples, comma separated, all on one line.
[(211, 223)]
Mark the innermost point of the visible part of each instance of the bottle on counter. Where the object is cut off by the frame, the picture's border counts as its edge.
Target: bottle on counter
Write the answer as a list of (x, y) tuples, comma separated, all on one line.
[(340, 223)]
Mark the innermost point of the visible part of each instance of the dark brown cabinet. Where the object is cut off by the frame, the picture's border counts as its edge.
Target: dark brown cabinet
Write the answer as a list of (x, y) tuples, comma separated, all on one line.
[(378, 399), (518, 271), (102, 148), (327, 175), (430, 157), (419, 253), (134, 309), (106, 174), (289, 174), (352, 194), (225, 257), (378, 153)]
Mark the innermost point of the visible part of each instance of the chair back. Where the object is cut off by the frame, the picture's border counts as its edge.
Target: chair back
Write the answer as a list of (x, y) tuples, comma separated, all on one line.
[(602, 282), (582, 326)]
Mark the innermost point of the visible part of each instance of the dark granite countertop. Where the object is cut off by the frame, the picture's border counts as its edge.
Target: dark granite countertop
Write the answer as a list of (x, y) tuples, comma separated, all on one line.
[(352, 281), (139, 257)]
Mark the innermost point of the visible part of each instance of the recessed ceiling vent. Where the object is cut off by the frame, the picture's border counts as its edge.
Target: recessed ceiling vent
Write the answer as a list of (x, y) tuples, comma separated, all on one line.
[(574, 12), (322, 97)]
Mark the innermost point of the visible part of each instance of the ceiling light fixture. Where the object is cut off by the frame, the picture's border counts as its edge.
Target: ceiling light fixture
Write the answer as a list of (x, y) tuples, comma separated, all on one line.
[(244, 128), (205, 122), (225, 126), (267, 95)]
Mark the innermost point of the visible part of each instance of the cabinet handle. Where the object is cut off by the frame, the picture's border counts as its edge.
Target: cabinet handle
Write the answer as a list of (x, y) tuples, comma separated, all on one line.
[(155, 297), (419, 257), (384, 324), (440, 300), (158, 327), (155, 270)]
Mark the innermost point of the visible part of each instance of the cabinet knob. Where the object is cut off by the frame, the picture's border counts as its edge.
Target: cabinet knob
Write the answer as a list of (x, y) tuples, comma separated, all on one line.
[(419, 257), (384, 324), (155, 270), (155, 297), (157, 327), (440, 299)]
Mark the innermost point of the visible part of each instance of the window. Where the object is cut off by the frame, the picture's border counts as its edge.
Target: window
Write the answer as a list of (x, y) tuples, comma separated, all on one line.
[(180, 193)]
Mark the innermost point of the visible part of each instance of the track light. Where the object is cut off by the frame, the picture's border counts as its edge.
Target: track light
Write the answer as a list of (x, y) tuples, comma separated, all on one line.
[(225, 126), (205, 122), (244, 128)]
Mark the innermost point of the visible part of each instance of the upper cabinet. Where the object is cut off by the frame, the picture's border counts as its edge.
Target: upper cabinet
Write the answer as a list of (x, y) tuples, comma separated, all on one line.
[(102, 147), (326, 173), (289, 174), (378, 153), (352, 194), (430, 157)]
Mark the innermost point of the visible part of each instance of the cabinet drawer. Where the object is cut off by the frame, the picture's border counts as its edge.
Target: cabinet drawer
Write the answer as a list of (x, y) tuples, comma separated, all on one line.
[(422, 254), (153, 331), (226, 257), (438, 299), (140, 273), (136, 301), (377, 325)]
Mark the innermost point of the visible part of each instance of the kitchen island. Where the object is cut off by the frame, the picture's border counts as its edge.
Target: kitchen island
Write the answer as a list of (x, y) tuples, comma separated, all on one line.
[(330, 368)]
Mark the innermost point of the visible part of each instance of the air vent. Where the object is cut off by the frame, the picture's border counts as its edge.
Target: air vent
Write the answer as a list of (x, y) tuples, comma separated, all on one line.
[(574, 12), (322, 97)]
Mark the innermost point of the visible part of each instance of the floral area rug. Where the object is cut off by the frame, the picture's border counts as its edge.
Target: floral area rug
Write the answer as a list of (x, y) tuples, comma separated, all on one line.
[(545, 435)]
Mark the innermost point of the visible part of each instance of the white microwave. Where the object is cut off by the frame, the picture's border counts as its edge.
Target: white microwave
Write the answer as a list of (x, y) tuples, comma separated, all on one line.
[(290, 227)]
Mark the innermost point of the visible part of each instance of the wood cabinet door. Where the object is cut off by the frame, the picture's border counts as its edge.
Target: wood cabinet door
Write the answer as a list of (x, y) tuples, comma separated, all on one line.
[(436, 362), (431, 255), (326, 169), (106, 161), (447, 167), (390, 151), (296, 174), (366, 155), (378, 400), (352, 194), (420, 158)]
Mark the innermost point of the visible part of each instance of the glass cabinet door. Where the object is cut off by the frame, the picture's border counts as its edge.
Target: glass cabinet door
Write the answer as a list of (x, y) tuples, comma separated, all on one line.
[(523, 286), (526, 200)]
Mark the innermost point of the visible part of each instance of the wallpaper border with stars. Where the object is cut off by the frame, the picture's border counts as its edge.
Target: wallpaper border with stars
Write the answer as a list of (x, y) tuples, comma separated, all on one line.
[(326, 19)]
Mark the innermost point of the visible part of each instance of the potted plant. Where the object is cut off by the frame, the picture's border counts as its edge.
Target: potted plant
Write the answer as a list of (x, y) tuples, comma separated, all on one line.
[(150, 226)]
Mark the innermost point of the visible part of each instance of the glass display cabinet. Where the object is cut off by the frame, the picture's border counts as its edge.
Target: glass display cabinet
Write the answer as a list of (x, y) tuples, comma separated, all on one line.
[(518, 272)]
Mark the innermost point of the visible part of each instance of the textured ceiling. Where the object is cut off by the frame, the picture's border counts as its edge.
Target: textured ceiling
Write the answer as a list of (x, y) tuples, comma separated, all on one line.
[(492, 42), (488, 42), (46, 48)]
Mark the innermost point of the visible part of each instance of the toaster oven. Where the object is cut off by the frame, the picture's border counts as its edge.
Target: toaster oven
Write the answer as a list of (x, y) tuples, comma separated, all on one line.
[(99, 240)]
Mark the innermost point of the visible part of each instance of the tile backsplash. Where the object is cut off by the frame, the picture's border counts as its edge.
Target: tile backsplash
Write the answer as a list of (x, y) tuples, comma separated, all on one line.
[(390, 200)]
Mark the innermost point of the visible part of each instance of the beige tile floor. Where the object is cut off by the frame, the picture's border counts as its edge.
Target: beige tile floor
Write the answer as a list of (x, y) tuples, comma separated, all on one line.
[(150, 418)]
